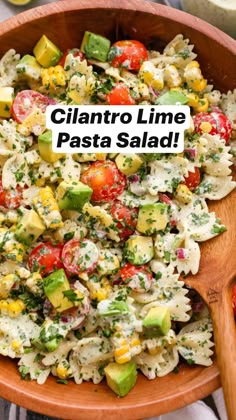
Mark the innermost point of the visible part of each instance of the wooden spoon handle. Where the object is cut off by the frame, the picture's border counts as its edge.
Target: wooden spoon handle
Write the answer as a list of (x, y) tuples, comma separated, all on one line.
[(225, 343)]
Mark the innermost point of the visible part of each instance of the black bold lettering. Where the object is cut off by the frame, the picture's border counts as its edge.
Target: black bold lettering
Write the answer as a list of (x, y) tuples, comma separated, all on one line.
[(166, 141), (62, 138), (75, 142), (54, 116), (179, 118), (122, 138), (86, 141)]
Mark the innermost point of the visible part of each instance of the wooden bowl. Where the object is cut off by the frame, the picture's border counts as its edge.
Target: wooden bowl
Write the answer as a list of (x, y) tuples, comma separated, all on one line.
[(64, 23)]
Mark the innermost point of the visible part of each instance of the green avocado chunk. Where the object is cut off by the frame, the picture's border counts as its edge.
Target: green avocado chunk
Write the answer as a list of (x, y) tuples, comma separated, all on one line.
[(139, 249), (29, 68), (72, 195), (29, 228), (121, 378), (172, 98), (152, 218), (157, 322), (45, 148), (54, 287), (95, 46), (46, 53)]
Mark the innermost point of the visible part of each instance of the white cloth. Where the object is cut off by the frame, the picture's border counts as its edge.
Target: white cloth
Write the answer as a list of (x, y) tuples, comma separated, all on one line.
[(195, 411)]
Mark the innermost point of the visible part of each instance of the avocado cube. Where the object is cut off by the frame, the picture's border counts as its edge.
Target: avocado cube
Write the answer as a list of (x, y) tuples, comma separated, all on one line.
[(152, 218), (157, 322), (72, 195), (45, 148), (6, 99), (139, 249), (46, 53), (29, 228), (54, 286), (128, 164), (121, 378), (95, 46), (29, 68)]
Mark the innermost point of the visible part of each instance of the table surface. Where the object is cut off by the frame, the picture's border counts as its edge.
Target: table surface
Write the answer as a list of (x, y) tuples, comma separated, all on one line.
[(7, 10)]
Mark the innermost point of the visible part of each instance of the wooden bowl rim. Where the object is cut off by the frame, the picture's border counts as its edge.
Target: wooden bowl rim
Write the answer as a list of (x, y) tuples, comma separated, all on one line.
[(145, 6), (205, 382)]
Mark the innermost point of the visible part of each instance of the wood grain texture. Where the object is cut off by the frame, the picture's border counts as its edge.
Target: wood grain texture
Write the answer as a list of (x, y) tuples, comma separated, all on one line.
[(155, 25)]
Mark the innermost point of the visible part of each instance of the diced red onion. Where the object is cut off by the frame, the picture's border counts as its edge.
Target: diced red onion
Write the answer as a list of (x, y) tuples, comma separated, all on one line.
[(191, 151), (180, 254), (153, 91), (134, 178)]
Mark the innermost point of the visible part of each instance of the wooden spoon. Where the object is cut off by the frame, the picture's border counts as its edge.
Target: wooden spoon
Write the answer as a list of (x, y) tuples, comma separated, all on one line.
[(214, 283)]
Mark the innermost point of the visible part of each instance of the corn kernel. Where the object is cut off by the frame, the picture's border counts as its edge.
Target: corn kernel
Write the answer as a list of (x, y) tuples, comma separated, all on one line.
[(192, 64), (101, 156), (135, 342), (53, 77), (172, 76), (4, 307), (123, 359), (199, 85), (47, 208), (183, 194), (62, 372), (151, 75), (120, 352), (203, 105), (15, 308), (6, 284), (16, 345), (14, 251), (193, 99)]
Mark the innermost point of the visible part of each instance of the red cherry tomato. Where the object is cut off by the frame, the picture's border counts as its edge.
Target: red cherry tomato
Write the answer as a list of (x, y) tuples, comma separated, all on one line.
[(137, 278), (193, 179), (105, 179), (45, 258), (120, 95), (234, 299), (218, 123), (129, 54), (10, 199), (76, 53), (28, 101), (126, 219), (80, 256)]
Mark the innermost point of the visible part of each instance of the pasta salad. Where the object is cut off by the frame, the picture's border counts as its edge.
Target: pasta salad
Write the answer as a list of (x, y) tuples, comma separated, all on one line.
[(93, 245)]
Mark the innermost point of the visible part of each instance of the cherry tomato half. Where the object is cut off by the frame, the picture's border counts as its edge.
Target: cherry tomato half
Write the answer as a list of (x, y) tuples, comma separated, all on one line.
[(76, 53), (45, 258), (80, 256), (138, 279), (10, 199), (234, 299), (193, 179), (120, 95), (105, 179), (213, 123), (125, 218), (128, 54), (28, 101)]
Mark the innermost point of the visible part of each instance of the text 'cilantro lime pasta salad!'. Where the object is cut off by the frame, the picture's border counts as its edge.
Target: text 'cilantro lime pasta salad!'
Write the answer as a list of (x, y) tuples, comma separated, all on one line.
[(93, 244)]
